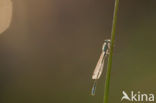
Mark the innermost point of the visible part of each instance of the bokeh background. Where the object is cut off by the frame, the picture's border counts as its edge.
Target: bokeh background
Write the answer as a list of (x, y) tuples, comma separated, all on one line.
[(52, 46)]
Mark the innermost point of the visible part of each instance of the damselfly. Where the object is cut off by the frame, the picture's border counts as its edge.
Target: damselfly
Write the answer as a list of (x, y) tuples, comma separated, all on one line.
[(99, 67)]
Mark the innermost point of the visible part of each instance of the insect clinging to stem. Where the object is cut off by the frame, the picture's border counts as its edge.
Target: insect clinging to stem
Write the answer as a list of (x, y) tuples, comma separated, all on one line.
[(100, 64)]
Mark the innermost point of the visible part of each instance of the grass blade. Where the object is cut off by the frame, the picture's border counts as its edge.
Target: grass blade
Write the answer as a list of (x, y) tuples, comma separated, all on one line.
[(109, 66)]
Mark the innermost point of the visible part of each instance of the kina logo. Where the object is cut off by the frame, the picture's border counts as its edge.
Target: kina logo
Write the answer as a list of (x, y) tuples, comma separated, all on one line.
[(138, 96)]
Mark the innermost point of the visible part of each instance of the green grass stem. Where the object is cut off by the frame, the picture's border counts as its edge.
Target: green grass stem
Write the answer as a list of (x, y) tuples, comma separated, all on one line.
[(109, 65)]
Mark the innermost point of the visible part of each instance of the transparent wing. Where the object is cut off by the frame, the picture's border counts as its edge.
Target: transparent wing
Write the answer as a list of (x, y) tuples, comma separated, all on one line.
[(99, 67), (6, 10)]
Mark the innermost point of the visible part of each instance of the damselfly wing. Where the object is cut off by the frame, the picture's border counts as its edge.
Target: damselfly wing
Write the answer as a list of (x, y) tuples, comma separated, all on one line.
[(99, 67)]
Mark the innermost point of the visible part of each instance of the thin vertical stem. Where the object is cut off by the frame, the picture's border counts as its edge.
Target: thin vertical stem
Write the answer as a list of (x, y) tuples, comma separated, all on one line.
[(109, 66)]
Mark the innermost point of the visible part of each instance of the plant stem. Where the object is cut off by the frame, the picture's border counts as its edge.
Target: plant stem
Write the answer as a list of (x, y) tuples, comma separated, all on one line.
[(109, 66)]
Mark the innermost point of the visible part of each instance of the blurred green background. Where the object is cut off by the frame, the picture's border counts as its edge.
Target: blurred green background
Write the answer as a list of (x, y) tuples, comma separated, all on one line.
[(52, 46)]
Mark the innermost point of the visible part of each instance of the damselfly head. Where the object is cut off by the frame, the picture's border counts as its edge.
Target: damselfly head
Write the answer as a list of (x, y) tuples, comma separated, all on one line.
[(107, 40), (106, 45)]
